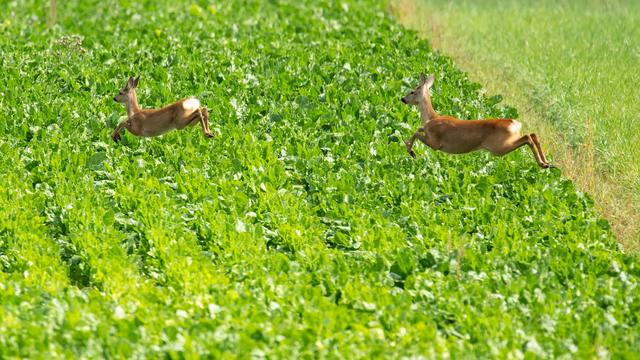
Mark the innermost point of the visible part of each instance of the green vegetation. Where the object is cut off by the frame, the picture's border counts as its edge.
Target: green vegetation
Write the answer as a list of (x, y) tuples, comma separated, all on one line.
[(304, 229), (571, 66)]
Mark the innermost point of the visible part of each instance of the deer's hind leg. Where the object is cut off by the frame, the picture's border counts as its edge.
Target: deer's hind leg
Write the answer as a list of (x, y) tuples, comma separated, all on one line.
[(204, 120), (524, 140), (201, 115), (536, 142)]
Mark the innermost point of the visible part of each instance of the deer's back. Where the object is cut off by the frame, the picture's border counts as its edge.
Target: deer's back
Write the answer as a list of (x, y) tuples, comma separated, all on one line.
[(461, 136)]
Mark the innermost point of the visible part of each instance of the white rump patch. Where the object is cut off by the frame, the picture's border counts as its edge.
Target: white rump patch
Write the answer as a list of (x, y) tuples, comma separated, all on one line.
[(515, 126), (191, 104)]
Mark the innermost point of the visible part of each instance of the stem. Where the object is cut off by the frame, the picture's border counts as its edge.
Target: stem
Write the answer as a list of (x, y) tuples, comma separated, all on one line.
[(51, 18)]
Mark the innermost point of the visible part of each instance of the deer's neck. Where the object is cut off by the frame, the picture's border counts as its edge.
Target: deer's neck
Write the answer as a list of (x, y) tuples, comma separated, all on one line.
[(426, 110), (132, 105)]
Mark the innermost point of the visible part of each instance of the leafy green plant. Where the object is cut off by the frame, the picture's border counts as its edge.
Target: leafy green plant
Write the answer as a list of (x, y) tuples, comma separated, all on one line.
[(303, 229)]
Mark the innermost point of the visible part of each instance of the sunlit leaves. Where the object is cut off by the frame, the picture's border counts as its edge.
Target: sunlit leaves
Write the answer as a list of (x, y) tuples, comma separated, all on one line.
[(302, 228)]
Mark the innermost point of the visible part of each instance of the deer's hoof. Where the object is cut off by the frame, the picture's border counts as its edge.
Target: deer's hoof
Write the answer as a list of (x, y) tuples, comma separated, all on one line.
[(116, 138), (412, 153), (209, 135)]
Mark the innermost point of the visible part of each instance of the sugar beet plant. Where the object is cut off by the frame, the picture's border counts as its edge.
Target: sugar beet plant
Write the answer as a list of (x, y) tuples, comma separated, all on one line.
[(303, 229)]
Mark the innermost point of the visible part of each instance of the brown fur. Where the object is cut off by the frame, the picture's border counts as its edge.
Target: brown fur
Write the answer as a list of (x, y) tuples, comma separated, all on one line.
[(455, 136), (155, 122)]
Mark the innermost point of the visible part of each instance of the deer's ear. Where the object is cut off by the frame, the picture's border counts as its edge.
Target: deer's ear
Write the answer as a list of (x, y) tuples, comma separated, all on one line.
[(136, 81), (429, 81), (422, 78)]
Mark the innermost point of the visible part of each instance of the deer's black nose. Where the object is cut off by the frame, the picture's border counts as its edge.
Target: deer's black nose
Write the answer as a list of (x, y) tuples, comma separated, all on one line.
[(403, 100), (114, 99)]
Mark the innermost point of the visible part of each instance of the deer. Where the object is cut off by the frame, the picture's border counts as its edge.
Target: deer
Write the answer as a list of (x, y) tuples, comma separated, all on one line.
[(455, 136), (155, 122)]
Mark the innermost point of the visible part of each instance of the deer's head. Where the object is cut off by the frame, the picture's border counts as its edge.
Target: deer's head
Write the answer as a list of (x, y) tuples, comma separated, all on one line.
[(420, 92), (128, 90)]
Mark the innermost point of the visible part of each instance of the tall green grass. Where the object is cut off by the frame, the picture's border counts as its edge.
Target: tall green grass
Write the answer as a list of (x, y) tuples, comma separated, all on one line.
[(576, 65)]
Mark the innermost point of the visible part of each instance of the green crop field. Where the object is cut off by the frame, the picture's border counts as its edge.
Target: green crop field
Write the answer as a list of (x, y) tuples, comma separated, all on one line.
[(303, 229), (571, 67)]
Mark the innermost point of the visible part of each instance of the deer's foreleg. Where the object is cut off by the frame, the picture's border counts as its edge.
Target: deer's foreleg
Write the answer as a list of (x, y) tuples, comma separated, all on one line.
[(429, 140), (115, 136), (421, 134), (409, 144)]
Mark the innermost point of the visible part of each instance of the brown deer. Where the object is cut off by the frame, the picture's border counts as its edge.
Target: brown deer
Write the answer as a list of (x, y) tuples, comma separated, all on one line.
[(154, 122), (455, 136)]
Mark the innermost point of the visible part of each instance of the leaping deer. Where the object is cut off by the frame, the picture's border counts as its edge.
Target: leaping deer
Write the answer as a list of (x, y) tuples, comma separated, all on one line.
[(154, 122), (455, 136)]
